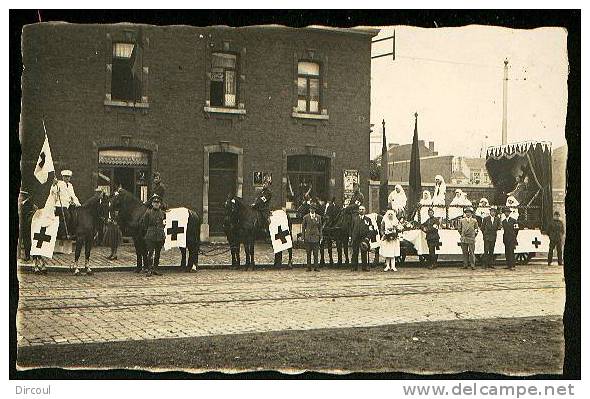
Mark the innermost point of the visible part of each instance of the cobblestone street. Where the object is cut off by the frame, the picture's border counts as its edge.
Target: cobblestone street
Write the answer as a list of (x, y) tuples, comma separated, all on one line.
[(116, 306)]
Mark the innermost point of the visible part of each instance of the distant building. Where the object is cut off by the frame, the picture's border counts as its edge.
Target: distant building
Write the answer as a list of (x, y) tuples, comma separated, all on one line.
[(455, 170)]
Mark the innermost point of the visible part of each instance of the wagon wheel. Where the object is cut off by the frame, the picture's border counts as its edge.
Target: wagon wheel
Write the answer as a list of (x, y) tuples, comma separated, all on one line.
[(522, 258), (400, 259)]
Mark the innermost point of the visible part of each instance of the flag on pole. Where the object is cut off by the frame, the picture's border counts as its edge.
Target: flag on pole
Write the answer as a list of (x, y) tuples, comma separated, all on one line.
[(415, 180), (176, 225), (383, 184), (43, 233), (44, 163)]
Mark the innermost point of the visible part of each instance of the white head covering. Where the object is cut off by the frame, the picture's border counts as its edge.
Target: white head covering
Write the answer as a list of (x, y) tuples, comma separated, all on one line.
[(66, 172), (512, 201), (427, 200), (389, 224), (439, 190), (484, 208), (398, 199)]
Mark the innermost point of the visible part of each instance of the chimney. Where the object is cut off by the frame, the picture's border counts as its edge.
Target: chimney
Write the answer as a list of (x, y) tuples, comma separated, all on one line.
[(431, 146), (421, 143)]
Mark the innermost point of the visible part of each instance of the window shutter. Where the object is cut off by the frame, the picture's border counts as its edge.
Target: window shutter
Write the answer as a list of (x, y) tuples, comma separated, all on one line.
[(295, 84), (108, 66), (324, 95), (241, 82), (145, 85)]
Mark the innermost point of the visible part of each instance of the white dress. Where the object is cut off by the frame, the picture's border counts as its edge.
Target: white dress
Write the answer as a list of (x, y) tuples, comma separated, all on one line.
[(389, 248)]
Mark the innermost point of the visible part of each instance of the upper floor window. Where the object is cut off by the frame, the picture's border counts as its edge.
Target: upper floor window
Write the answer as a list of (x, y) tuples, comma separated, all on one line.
[(126, 72), (223, 80), (308, 87), (475, 178)]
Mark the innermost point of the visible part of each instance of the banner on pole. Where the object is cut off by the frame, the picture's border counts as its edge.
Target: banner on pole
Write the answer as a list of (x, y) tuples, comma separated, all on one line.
[(280, 233), (176, 224), (43, 233)]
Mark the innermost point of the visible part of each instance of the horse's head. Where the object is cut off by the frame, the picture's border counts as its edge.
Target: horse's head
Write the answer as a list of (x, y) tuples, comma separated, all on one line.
[(231, 215)]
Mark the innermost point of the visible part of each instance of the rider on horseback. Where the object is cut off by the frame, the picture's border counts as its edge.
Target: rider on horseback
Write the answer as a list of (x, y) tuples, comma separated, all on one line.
[(62, 197), (262, 204)]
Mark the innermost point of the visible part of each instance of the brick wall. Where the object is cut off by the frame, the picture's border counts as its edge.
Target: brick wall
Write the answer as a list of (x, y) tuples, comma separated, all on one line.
[(65, 81)]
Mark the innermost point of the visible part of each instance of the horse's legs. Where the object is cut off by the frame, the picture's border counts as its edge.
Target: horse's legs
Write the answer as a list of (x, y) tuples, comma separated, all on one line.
[(330, 251), (78, 250), (252, 252), (139, 253), (322, 245), (183, 257), (290, 257), (345, 245)]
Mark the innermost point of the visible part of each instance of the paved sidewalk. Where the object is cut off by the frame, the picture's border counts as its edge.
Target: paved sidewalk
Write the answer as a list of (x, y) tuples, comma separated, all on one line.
[(215, 256), (114, 306)]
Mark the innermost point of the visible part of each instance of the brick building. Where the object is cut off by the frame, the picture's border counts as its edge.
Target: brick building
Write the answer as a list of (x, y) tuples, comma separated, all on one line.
[(213, 109)]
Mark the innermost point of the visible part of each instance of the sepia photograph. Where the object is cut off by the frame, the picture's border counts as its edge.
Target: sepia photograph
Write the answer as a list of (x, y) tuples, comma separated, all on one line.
[(285, 194)]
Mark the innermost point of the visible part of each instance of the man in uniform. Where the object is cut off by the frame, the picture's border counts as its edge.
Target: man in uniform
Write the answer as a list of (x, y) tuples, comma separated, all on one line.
[(430, 227), (490, 225), (468, 229), (312, 235), (62, 197), (555, 232), (510, 227), (359, 235), (262, 204), (330, 212)]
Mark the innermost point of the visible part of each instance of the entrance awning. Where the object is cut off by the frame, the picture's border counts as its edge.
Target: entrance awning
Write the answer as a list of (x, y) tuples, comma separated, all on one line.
[(123, 158)]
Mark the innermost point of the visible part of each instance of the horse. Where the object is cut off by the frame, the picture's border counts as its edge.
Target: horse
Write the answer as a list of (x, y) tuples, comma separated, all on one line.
[(337, 230), (84, 220), (241, 223), (131, 209)]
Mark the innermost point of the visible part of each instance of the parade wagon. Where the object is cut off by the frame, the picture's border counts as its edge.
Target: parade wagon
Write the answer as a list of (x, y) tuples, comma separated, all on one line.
[(518, 171)]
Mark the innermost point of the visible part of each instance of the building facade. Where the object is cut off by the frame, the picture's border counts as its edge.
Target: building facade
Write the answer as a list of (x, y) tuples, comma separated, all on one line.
[(215, 110)]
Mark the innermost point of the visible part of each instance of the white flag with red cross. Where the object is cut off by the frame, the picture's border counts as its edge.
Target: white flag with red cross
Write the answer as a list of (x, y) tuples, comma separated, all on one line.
[(280, 234), (43, 233)]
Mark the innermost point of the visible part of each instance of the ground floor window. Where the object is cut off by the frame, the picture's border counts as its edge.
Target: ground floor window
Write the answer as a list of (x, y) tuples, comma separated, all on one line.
[(124, 168), (307, 174)]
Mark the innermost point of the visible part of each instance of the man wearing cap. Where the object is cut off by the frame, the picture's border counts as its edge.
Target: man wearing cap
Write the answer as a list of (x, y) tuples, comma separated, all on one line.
[(555, 232), (312, 235), (359, 235), (490, 224), (152, 222), (62, 196), (468, 230), (262, 204), (510, 227)]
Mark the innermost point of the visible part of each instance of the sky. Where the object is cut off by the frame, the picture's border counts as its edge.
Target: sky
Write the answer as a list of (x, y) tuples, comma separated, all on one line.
[(452, 77)]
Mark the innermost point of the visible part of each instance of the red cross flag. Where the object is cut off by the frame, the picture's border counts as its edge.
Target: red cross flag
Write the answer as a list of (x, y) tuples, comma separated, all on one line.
[(44, 163), (175, 228), (280, 233), (43, 233)]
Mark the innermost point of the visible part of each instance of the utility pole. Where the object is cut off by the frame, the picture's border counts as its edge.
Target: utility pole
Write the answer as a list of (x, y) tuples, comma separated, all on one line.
[(505, 104)]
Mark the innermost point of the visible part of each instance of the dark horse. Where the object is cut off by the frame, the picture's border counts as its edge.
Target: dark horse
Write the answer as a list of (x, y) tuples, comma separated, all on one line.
[(83, 223), (336, 230), (132, 209), (241, 223)]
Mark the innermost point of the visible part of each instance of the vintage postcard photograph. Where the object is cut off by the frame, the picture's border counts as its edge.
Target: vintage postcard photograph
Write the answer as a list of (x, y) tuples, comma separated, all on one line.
[(376, 198)]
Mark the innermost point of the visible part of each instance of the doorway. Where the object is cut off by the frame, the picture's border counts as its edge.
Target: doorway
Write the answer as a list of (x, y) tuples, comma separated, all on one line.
[(223, 176)]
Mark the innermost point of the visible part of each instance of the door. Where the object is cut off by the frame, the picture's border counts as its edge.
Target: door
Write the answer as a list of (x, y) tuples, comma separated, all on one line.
[(223, 176)]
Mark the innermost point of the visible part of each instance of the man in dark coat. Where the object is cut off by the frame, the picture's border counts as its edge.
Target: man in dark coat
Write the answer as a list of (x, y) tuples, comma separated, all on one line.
[(26, 211), (262, 204), (430, 227), (489, 228), (159, 189), (312, 235), (555, 232), (329, 214), (510, 227), (153, 224), (360, 225)]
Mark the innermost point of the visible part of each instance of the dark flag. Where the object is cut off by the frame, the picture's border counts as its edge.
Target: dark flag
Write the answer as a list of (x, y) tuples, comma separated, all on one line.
[(414, 180), (383, 186)]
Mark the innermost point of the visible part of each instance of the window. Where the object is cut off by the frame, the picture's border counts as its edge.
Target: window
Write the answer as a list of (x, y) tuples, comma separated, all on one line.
[(126, 72), (223, 80), (475, 177), (308, 87)]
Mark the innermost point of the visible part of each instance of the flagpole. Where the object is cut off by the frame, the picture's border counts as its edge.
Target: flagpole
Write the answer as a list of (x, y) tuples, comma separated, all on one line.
[(61, 207)]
